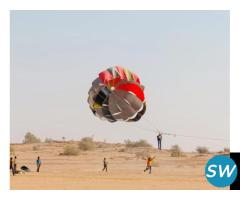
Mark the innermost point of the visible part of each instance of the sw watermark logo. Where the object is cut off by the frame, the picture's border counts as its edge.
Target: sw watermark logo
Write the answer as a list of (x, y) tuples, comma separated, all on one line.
[(221, 171)]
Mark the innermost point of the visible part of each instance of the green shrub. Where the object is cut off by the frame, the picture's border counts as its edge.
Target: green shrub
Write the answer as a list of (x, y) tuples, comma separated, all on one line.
[(140, 143), (87, 144), (70, 150)]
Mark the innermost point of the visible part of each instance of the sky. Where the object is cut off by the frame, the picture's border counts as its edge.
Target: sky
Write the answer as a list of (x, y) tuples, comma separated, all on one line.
[(181, 57)]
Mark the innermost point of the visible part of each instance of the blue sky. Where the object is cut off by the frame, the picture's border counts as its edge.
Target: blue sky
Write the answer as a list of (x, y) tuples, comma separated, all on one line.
[(182, 58)]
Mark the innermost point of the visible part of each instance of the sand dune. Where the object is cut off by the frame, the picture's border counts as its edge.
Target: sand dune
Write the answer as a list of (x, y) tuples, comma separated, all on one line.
[(125, 169)]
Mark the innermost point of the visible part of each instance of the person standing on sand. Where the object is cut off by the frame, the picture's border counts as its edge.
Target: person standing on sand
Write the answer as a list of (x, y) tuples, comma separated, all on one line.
[(105, 163), (14, 165), (38, 163), (11, 165), (149, 164), (159, 139)]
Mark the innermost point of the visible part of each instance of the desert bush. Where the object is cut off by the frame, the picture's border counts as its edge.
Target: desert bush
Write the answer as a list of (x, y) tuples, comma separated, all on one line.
[(226, 150), (100, 145), (202, 150), (36, 148), (176, 151), (122, 150), (12, 150), (140, 143), (48, 140), (70, 150), (30, 138), (87, 144), (142, 155)]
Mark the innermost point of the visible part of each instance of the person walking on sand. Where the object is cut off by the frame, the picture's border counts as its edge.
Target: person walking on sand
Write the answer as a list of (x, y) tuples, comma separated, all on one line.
[(149, 164), (38, 163), (14, 165), (105, 163), (159, 139)]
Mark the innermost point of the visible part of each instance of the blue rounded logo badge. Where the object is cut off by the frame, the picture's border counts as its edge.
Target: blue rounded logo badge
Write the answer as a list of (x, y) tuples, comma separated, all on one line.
[(221, 171)]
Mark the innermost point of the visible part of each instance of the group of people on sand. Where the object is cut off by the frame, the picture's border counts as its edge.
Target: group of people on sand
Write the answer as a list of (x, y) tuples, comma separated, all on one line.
[(14, 165), (14, 161), (148, 167), (149, 159)]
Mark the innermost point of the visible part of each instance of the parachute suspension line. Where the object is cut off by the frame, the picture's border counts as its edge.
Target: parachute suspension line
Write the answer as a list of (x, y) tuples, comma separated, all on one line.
[(156, 130), (144, 128), (180, 135), (150, 123), (190, 136), (203, 138)]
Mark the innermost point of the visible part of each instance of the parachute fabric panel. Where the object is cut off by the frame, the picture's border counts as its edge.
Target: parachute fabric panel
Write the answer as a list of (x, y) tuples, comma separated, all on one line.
[(133, 88), (124, 105)]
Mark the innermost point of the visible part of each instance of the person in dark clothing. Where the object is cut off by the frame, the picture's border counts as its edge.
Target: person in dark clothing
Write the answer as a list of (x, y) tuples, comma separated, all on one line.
[(38, 163), (159, 139), (105, 165), (14, 165), (11, 165)]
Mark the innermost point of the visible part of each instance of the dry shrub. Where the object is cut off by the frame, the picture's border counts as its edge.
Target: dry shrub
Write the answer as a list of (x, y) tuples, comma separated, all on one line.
[(140, 143), (202, 150), (70, 150), (226, 150), (142, 155), (122, 150), (12, 150), (101, 145), (48, 140), (128, 158), (30, 138), (36, 148), (176, 151), (87, 144)]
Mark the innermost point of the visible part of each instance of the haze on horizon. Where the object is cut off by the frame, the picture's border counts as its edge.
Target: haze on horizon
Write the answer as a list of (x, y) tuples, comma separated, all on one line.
[(181, 57)]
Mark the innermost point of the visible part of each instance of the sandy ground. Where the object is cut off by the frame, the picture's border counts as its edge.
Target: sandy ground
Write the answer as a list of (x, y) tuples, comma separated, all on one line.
[(125, 169)]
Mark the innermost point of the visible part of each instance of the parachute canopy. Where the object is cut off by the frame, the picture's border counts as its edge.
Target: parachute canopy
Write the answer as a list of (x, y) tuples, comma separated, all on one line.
[(117, 95)]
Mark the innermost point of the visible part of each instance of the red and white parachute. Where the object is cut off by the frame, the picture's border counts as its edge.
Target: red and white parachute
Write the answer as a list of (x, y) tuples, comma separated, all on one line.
[(117, 95)]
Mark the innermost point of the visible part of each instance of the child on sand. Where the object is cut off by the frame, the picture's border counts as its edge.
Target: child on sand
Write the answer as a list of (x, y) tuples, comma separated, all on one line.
[(149, 164), (105, 165)]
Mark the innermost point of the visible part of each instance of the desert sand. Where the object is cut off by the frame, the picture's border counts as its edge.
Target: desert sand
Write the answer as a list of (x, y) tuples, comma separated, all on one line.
[(125, 169)]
